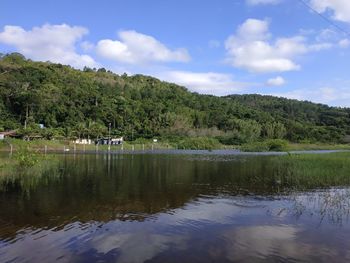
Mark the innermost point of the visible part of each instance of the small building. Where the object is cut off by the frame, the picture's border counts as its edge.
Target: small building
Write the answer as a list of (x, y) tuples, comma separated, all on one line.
[(83, 141), (117, 141), (6, 134), (110, 141)]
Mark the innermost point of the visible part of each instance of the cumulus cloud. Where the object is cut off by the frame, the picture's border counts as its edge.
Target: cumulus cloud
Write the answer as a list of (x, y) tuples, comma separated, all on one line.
[(278, 81), (137, 48), (251, 48), (262, 2), (55, 43), (339, 8), (206, 83), (87, 46)]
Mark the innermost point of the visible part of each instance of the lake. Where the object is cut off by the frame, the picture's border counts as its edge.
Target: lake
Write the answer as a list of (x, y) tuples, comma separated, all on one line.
[(184, 207)]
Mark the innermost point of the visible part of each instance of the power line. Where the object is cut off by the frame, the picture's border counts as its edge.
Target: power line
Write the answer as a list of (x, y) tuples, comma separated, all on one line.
[(325, 18)]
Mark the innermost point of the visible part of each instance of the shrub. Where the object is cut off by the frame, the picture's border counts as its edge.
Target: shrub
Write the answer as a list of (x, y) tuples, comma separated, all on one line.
[(276, 145), (25, 158), (255, 147)]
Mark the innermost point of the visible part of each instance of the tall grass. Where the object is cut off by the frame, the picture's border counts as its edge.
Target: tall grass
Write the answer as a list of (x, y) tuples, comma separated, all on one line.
[(306, 171)]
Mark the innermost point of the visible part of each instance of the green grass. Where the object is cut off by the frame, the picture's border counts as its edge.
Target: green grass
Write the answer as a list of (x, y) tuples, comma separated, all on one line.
[(313, 146), (306, 171)]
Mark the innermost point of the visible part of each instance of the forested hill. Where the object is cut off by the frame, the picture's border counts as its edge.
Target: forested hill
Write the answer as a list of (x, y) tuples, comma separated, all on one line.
[(74, 103)]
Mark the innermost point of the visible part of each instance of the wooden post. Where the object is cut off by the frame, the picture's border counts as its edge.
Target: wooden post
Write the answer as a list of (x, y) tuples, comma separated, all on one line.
[(11, 149), (143, 147), (133, 147), (45, 149)]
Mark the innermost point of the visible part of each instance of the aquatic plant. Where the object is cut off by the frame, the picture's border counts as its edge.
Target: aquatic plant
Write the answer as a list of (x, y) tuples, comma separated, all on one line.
[(26, 158)]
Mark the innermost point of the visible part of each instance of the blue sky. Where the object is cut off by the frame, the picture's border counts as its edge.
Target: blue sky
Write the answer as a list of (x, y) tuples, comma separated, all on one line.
[(277, 47)]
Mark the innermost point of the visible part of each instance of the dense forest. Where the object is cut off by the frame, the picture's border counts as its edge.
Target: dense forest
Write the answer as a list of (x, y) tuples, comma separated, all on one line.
[(79, 103)]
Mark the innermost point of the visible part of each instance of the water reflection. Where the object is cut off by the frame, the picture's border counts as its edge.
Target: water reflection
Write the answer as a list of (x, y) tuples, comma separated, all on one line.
[(162, 208)]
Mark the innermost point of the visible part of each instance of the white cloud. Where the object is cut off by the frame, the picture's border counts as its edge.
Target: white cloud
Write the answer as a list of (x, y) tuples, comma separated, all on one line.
[(262, 2), (278, 81), (137, 48), (87, 46), (320, 46), (326, 95), (339, 8), (328, 38), (344, 43), (251, 48), (55, 43), (206, 83), (326, 34)]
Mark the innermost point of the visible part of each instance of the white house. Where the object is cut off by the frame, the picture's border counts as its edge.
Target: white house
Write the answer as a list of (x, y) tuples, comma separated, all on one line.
[(115, 141), (83, 141)]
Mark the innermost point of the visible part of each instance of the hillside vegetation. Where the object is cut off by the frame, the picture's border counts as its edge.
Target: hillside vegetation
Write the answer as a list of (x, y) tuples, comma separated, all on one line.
[(73, 103)]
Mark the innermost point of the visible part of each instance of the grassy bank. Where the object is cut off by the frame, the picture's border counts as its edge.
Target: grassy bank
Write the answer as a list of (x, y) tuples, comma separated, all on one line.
[(23, 160), (285, 146), (312, 146), (196, 143), (61, 145)]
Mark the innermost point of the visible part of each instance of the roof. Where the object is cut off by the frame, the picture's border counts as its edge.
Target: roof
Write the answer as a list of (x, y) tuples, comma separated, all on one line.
[(8, 133)]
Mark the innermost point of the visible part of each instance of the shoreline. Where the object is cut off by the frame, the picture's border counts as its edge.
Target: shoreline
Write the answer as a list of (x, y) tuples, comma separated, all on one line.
[(236, 152), (45, 146)]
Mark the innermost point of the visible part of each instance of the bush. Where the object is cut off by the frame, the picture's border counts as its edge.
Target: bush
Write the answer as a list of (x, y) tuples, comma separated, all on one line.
[(255, 147), (277, 145), (25, 158), (274, 145), (232, 139)]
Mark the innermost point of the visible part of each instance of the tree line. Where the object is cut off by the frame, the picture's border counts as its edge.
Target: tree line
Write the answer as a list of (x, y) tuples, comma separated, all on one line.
[(74, 103)]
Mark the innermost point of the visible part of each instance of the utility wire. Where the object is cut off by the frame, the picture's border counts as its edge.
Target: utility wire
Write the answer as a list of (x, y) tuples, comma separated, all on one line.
[(325, 18)]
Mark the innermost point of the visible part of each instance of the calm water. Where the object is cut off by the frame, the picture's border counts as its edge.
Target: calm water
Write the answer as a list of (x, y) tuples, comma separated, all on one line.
[(171, 208)]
